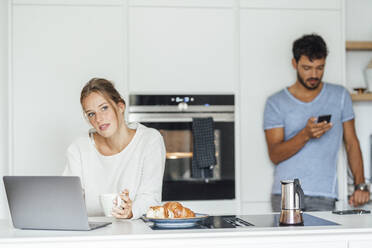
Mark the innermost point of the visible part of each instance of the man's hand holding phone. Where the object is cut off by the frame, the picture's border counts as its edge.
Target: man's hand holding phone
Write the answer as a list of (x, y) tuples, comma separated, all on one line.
[(324, 118), (315, 129)]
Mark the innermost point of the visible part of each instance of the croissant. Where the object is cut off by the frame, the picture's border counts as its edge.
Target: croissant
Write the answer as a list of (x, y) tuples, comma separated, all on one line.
[(173, 209), (170, 210), (187, 213), (156, 212)]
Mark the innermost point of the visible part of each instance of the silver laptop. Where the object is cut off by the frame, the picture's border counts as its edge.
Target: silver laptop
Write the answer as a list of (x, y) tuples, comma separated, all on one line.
[(48, 203)]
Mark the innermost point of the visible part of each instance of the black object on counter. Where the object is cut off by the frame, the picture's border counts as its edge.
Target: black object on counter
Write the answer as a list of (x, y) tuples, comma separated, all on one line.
[(351, 211), (249, 221)]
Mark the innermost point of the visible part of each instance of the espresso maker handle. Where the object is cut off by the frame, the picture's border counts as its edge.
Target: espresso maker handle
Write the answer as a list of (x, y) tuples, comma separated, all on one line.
[(300, 192)]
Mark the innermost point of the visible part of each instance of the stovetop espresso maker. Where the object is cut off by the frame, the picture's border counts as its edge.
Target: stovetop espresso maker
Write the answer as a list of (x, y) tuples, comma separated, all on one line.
[(292, 203)]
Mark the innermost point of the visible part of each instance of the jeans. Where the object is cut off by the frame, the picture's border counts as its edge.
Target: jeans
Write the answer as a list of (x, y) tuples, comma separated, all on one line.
[(311, 203)]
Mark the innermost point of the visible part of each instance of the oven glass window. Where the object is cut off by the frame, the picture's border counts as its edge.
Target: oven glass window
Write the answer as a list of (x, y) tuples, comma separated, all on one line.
[(178, 182)]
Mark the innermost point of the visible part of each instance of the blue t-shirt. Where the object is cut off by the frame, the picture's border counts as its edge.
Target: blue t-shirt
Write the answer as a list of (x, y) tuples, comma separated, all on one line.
[(316, 163)]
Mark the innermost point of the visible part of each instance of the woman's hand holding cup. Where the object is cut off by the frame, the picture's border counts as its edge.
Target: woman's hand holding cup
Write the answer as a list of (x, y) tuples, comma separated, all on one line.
[(123, 210)]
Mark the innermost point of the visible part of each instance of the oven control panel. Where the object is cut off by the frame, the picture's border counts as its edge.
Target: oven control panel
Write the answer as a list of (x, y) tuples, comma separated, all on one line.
[(169, 100)]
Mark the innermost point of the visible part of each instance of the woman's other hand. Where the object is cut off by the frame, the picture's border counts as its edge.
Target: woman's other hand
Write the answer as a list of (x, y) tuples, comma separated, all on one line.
[(124, 211)]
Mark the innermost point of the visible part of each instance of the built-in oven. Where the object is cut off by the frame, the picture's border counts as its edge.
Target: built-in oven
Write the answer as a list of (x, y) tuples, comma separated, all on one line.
[(173, 116)]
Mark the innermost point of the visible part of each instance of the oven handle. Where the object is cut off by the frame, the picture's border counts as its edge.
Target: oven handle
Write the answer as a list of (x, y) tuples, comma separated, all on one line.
[(178, 117)]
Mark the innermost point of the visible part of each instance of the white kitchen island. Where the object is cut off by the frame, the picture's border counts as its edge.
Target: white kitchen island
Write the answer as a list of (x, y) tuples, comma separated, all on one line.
[(353, 231)]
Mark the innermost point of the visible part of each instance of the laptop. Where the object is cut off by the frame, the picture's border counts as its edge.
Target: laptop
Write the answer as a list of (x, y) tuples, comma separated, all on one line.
[(48, 203)]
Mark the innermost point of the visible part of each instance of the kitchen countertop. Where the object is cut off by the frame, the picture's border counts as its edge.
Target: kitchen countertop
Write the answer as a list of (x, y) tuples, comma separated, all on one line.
[(353, 231)]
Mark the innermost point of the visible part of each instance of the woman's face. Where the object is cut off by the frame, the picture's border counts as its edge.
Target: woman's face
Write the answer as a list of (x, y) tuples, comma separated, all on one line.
[(101, 114)]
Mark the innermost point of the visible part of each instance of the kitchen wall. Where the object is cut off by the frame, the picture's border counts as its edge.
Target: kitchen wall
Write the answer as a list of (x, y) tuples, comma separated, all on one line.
[(359, 28), (58, 46), (3, 101), (48, 34)]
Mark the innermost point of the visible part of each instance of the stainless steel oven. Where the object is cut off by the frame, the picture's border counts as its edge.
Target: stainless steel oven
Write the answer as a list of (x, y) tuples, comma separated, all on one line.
[(172, 115)]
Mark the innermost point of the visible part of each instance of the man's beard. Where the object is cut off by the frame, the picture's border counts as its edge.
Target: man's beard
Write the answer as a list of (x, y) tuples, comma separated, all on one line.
[(301, 80)]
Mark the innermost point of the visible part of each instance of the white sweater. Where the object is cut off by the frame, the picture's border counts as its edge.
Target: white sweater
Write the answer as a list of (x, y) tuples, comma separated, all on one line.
[(138, 168)]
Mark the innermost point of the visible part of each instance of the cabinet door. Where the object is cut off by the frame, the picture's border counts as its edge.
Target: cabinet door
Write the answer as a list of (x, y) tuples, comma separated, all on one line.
[(181, 48), (266, 43), (360, 243), (3, 104), (297, 243), (56, 49)]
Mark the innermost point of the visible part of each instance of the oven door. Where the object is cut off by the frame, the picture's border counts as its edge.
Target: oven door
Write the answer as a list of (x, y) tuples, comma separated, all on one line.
[(176, 129)]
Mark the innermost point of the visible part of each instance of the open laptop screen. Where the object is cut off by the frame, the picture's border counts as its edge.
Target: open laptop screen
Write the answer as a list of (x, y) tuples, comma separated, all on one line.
[(46, 202)]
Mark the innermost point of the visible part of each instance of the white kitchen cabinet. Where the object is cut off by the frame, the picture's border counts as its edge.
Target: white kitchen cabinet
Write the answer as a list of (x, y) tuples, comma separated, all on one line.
[(308, 244), (181, 47), (3, 102), (157, 46), (266, 37), (360, 243), (56, 48)]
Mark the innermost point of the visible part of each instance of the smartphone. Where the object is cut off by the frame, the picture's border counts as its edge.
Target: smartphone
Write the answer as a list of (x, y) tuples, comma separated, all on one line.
[(352, 211), (326, 118)]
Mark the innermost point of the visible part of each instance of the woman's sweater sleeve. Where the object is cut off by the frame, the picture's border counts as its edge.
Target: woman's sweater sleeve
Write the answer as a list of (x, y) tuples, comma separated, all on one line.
[(73, 164), (150, 188)]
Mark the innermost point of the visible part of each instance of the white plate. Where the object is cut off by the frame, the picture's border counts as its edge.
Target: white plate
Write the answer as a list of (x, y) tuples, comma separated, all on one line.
[(176, 223)]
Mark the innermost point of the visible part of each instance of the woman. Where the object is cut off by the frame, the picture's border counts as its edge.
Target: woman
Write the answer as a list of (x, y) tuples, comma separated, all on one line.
[(114, 157)]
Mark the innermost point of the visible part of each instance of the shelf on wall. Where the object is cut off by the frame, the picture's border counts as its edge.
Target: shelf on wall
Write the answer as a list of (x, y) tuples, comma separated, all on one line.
[(361, 97), (359, 45)]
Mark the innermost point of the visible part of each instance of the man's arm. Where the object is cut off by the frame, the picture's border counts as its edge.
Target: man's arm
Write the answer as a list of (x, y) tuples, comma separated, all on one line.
[(354, 156), (280, 150)]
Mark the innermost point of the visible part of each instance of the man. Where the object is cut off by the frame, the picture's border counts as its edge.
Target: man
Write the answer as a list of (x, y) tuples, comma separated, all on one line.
[(299, 145)]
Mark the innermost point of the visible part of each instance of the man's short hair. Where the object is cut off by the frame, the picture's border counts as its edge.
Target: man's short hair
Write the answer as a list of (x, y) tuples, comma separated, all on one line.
[(311, 45)]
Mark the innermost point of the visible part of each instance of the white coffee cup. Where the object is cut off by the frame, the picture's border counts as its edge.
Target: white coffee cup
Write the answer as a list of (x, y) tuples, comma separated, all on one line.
[(107, 202)]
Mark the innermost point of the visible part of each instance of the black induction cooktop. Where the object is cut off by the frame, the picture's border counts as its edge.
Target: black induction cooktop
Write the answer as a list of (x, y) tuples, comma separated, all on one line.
[(249, 221)]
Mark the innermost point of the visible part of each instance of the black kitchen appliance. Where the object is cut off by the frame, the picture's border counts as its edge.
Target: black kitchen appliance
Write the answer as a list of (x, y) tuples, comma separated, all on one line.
[(250, 221), (172, 115)]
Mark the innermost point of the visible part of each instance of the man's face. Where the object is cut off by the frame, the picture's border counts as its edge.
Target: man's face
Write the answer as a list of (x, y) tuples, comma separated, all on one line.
[(309, 73)]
